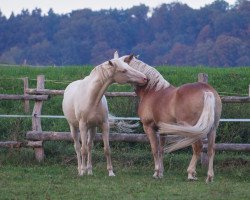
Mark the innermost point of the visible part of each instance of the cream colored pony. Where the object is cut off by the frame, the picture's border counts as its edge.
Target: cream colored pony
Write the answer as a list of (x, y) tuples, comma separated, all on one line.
[(85, 108)]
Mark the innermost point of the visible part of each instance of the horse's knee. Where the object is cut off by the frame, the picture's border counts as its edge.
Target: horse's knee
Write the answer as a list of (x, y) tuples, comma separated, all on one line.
[(107, 151), (211, 151), (84, 151), (77, 146)]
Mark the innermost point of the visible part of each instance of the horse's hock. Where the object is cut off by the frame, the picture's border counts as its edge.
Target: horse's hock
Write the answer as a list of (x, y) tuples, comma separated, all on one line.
[(37, 136)]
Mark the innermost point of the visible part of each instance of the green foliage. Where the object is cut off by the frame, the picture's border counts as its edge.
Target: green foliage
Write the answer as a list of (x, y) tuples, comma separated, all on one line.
[(174, 34)]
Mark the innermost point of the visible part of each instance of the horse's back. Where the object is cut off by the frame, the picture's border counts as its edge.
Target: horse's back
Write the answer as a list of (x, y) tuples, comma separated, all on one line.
[(176, 105)]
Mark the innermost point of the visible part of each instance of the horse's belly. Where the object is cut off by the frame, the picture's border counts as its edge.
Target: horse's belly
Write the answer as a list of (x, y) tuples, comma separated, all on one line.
[(95, 119), (151, 112)]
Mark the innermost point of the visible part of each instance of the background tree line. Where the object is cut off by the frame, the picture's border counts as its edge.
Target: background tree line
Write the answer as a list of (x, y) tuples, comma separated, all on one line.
[(172, 34)]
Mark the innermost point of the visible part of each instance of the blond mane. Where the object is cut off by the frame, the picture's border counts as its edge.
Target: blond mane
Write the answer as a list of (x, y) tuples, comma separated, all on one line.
[(105, 71), (156, 80)]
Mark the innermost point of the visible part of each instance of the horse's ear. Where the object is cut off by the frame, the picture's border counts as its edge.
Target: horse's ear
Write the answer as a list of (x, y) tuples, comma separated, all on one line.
[(111, 63), (116, 55), (137, 56), (129, 58)]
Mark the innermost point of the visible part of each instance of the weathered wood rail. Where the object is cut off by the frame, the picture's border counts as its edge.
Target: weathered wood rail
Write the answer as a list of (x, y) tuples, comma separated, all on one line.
[(122, 137), (16, 144), (224, 99), (37, 136), (23, 97)]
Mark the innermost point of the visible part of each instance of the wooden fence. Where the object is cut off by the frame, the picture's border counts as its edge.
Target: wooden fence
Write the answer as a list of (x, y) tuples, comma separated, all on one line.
[(37, 136)]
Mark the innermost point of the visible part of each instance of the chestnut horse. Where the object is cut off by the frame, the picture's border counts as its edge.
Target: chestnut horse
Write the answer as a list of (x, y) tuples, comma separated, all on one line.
[(190, 112), (85, 107)]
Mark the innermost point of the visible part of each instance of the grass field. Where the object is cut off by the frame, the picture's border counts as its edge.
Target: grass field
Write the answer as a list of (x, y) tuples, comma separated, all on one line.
[(21, 177)]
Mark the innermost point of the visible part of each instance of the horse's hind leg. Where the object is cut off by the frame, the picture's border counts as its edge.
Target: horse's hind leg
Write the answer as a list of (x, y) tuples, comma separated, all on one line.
[(154, 142), (197, 147), (84, 135), (77, 146), (211, 153), (105, 137), (161, 155), (91, 135)]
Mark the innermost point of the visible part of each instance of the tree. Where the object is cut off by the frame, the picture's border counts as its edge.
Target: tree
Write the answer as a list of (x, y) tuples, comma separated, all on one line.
[(227, 50), (215, 35)]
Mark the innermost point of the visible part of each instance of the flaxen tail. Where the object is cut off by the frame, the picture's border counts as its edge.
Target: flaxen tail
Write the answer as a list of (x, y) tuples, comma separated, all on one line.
[(186, 135), (121, 126)]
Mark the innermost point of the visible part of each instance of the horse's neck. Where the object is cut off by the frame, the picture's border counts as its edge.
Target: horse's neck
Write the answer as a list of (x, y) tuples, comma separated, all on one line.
[(142, 91), (97, 89)]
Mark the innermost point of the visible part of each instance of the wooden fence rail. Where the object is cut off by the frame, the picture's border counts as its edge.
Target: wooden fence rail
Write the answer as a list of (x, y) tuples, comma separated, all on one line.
[(224, 99), (23, 97), (36, 137), (122, 137)]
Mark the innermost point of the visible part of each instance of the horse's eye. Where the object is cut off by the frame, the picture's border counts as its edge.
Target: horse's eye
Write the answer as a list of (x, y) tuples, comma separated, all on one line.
[(124, 71)]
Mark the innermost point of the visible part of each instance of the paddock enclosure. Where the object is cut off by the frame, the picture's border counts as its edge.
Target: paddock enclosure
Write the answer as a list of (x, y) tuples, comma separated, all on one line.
[(36, 136)]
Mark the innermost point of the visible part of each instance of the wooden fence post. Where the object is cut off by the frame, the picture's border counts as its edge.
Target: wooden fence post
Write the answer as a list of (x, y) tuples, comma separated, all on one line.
[(26, 102), (204, 158), (36, 120)]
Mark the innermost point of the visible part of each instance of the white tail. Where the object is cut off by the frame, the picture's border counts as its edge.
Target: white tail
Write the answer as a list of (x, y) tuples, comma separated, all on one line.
[(122, 126), (190, 134)]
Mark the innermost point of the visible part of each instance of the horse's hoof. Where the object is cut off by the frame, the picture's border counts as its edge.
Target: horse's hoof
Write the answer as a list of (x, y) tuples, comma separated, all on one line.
[(111, 173), (80, 173), (90, 173), (160, 175), (192, 179), (157, 175), (209, 179)]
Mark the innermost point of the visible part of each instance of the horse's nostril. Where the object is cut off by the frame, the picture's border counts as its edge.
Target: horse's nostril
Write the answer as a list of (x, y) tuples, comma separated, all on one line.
[(145, 79)]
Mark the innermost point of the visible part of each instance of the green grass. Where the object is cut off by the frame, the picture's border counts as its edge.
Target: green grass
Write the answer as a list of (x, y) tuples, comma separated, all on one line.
[(22, 178)]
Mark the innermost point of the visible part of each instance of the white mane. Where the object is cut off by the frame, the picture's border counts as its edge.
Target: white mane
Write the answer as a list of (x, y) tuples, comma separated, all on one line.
[(156, 80)]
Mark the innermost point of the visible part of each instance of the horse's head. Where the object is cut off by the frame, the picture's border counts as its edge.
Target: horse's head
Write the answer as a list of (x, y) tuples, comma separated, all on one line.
[(123, 73), (127, 59), (155, 79)]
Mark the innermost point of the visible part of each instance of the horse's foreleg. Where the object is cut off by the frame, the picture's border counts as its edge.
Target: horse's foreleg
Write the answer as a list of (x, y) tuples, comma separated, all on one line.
[(77, 146), (153, 139), (84, 135), (211, 153), (91, 135), (105, 137), (197, 147)]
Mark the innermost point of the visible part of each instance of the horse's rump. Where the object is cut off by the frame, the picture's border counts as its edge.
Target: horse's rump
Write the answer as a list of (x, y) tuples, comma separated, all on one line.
[(189, 134)]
